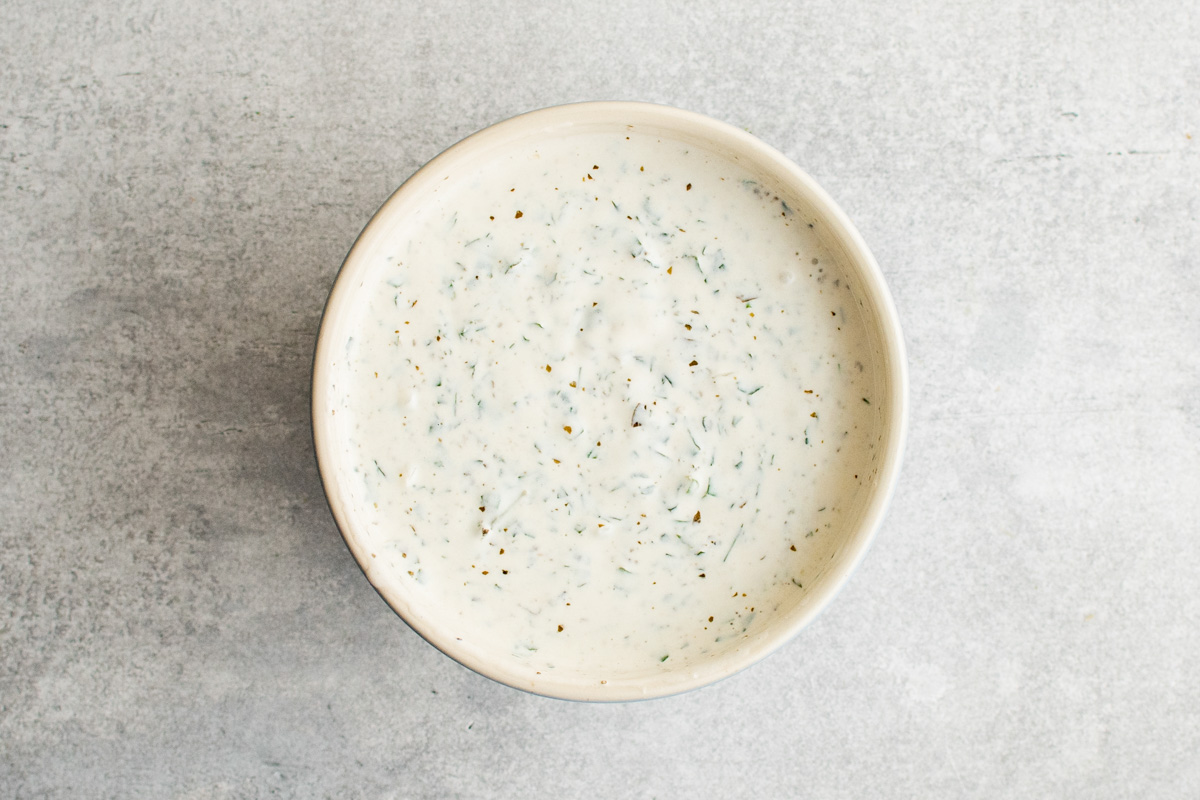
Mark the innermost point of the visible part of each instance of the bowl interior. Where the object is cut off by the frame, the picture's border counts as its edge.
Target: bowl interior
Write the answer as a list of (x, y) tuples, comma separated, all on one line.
[(434, 197)]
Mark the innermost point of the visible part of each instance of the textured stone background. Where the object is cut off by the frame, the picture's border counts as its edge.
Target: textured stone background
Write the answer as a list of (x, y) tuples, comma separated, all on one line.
[(178, 184)]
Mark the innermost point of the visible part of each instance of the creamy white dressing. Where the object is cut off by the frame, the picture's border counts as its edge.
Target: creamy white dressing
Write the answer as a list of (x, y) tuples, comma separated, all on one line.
[(608, 405)]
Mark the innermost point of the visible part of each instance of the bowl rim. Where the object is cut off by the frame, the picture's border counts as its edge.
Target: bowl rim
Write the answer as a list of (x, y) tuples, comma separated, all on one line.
[(734, 141)]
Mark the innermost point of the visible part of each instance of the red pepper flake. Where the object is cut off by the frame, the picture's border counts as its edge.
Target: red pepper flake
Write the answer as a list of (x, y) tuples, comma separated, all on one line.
[(567, 428), (560, 628), (519, 215)]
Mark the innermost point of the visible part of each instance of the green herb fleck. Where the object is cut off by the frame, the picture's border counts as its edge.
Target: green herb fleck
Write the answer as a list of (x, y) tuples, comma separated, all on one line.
[(731, 544)]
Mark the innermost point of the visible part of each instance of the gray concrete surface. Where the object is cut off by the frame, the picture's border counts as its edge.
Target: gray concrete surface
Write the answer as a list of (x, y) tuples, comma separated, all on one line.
[(178, 183)]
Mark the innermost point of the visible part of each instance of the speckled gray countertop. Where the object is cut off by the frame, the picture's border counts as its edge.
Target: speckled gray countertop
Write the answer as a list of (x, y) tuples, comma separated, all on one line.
[(178, 184)]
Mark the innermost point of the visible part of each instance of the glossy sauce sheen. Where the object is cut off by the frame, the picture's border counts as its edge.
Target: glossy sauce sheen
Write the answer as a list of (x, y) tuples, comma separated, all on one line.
[(607, 408)]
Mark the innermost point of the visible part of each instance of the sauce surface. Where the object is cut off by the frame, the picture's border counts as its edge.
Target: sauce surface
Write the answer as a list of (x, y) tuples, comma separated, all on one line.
[(607, 402)]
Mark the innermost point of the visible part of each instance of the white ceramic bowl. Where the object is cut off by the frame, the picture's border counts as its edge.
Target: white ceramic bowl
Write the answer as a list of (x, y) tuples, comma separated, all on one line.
[(800, 193)]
